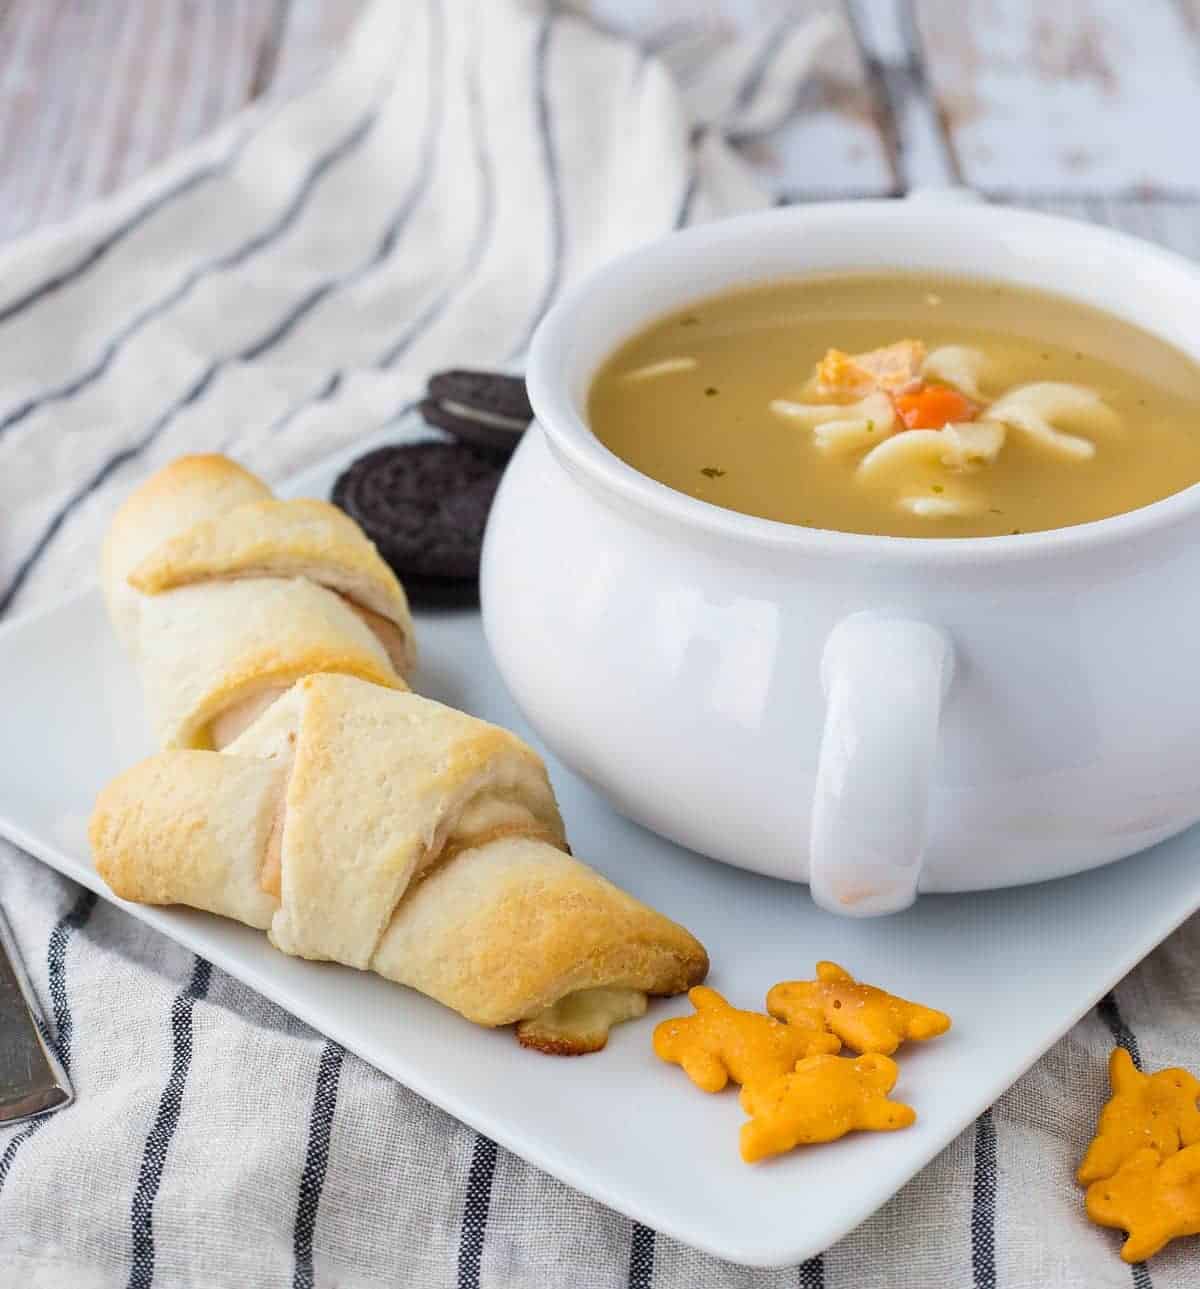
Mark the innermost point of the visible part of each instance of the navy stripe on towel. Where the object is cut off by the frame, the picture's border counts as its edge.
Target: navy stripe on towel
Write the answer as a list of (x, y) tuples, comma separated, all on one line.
[(279, 330), (1124, 1037), (1141, 1276), (56, 972), (475, 1212), (438, 307), (811, 1274), (641, 1257), (64, 277), (158, 1141), (323, 394), (231, 259), (483, 230), (391, 235), (684, 213), (10, 1151), (316, 1159), (983, 1204), (756, 75), (106, 471)]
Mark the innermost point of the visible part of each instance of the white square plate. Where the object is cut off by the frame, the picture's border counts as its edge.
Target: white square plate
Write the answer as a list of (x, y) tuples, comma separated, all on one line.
[(620, 1125)]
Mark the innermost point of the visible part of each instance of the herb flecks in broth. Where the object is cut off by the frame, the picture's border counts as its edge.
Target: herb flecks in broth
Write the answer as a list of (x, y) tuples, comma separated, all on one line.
[(979, 420)]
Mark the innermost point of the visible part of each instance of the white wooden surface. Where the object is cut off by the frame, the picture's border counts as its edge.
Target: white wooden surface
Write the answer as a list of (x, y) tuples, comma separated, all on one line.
[(1087, 106), (1095, 95), (93, 93)]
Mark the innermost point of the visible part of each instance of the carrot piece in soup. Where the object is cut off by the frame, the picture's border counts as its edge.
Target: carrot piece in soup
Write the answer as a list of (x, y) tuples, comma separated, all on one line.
[(933, 406)]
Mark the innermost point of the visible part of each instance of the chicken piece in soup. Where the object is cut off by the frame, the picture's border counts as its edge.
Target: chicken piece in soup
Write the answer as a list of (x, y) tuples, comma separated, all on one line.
[(904, 405)]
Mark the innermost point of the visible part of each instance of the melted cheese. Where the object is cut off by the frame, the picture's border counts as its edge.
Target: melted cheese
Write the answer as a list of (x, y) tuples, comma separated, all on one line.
[(580, 1022)]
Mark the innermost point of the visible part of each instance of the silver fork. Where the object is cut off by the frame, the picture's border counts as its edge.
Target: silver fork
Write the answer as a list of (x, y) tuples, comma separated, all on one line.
[(32, 1080)]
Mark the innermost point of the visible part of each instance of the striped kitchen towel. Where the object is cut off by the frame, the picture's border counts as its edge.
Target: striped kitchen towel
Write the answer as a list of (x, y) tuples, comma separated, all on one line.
[(277, 292)]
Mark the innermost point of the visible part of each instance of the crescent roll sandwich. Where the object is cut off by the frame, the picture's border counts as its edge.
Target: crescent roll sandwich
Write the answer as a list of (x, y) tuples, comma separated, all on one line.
[(225, 596), (385, 831)]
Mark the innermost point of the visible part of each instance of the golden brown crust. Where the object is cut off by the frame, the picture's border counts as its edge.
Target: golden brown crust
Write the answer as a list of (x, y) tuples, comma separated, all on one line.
[(488, 743), (472, 841), (414, 841), (392, 778), (454, 936), (220, 592), (188, 828), (186, 492), (208, 467), (397, 641), (353, 820), (539, 1042), (207, 473), (204, 650), (269, 667), (271, 538)]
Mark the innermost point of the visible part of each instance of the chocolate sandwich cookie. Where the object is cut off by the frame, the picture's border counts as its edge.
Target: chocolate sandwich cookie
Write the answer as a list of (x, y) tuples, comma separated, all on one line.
[(424, 505), (488, 410)]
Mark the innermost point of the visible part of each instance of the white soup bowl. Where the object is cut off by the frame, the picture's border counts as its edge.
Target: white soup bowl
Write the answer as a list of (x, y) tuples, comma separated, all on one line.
[(872, 715)]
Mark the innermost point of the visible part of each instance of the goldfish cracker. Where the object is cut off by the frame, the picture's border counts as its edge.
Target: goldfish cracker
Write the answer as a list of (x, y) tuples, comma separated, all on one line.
[(1152, 1199), (865, 1018), (721, 1042), (822, 1099), (1155, 1110)]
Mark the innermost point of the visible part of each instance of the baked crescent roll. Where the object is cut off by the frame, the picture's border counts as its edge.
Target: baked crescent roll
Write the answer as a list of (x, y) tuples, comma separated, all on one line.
[(385, 831), (225, 596)]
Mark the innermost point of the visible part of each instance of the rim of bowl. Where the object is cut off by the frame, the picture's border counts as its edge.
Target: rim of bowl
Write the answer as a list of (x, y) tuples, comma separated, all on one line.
[(571, 436)]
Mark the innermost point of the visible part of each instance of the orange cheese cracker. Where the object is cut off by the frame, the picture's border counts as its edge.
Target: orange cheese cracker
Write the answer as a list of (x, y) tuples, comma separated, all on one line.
[(1157, 1110), (1154, 1200), (863, 1017), (721, 1042), (822, 1099)]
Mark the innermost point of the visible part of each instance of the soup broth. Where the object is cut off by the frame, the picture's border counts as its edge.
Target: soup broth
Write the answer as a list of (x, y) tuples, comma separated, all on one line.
[(903, 405)]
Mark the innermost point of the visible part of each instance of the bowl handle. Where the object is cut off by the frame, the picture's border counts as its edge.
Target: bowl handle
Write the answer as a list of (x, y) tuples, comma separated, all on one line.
[(885, 680)]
